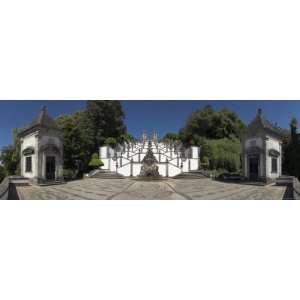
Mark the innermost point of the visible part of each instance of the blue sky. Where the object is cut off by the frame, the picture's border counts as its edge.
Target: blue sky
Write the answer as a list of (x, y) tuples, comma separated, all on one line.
[(162, 116)]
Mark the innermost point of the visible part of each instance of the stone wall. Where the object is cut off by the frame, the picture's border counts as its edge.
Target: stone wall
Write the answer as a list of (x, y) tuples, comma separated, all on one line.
[(8, 188), (4, 188), (296, 189)]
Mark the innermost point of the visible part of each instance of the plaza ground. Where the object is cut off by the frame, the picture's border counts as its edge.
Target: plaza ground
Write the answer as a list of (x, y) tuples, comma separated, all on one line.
[(95, 188)]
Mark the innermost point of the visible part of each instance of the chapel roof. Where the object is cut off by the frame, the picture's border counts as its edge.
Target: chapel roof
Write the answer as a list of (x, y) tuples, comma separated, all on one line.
[(260, 122), (43, 119)]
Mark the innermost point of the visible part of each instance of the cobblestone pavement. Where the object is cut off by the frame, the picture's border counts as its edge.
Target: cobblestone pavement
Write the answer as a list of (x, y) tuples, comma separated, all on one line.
[(94, 188)]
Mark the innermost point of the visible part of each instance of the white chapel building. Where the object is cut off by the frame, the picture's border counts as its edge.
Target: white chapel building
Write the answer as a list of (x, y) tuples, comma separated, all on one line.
[(262, 150), (42, 150)]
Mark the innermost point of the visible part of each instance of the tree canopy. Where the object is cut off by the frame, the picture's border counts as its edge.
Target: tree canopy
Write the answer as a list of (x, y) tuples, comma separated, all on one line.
[(171, 136), (110, 141), (85, 131), (102, 119), (74, 142), (10, 155), (211, 124)]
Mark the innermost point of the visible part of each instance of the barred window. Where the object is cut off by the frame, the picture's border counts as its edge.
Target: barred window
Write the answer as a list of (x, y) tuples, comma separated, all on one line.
[(28, 164)]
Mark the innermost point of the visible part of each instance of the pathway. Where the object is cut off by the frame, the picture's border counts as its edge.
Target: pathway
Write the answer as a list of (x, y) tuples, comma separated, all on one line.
[(94, 188)]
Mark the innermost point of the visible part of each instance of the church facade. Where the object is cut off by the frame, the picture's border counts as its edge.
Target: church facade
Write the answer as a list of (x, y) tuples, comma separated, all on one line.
[(41, 155), (262, 150)]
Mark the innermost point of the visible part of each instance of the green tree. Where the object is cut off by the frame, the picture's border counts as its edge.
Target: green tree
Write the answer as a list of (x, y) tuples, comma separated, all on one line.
[(171, 136), (294, 122), (224, 154), (210, 124), (205, 163), (95, 162), (74, 143), (126, 138), (110, 141), (10, 155), (102, 119), (2, 173), (9, 159)]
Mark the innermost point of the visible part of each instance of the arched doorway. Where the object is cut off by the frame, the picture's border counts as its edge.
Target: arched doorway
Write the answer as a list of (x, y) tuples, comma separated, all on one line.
[(50, 162)]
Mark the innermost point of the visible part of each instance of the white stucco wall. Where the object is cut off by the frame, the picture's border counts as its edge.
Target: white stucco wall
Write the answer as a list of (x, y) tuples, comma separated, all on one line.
[(49, 139), (30, 141), (257, 142), (165, 154), (265, 158), (36, 141), (273, 143)]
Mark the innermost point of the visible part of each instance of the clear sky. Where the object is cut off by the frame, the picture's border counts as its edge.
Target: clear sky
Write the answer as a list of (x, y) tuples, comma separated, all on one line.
[(162, 116)]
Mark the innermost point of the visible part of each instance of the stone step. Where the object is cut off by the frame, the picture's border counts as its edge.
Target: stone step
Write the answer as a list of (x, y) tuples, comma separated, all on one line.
[(19, 180), (190, 175), (105, 174), (48, 183)]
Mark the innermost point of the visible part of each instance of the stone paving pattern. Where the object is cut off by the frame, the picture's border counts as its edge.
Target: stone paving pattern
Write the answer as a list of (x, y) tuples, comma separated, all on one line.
[(94, 188)]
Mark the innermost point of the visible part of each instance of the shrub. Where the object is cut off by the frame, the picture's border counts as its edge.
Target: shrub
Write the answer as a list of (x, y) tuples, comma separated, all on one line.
[(223, 154), (110, 141), (205, 162), (95, 162), (69, 174)]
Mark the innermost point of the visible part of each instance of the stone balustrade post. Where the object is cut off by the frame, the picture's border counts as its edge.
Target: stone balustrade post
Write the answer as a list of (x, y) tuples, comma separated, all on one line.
[(131, 167), (167, 168)]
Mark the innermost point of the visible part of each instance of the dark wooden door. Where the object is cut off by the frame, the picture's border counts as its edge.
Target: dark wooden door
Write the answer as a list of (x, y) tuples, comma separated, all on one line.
[(50, 168), (253, 167)]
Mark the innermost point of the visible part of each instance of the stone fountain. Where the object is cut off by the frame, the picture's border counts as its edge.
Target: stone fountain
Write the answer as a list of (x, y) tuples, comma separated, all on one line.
[(149, 169)]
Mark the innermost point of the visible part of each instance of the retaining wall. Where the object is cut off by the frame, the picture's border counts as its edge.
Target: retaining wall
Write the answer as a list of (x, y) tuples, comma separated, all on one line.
[(4, 188)]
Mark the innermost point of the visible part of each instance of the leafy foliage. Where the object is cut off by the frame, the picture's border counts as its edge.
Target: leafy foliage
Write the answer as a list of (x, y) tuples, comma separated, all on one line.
[(171, 136), (102, 119), (126, 138), (221, 154), (110, 141), (95, 162), (218, 133), (211, 124), (85, 131), (294, 122), (2, 173), (205, 162), (10, 155), (291, 153), (74, 145)]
